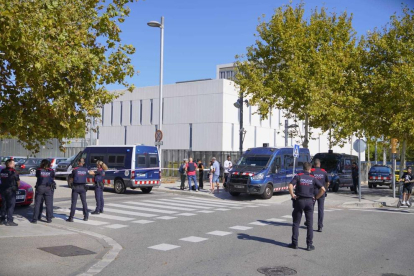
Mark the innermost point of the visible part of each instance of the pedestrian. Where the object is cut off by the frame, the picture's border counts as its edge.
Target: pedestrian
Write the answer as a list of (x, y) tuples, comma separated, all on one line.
[(228, 165), (216, 173), (322, 176), (99, 176), (10, 182), (303, 202), (78, 180), (200, 174), (407, 177), (355, 176), (183, 175), (45, 178), (191, 173), (210, 177)]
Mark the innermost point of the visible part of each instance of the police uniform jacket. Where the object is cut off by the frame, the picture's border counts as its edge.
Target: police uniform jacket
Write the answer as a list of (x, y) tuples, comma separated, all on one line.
[(321, 176), (99, 175), (79, 175), (305, 185), (9, 178), (44, 177)]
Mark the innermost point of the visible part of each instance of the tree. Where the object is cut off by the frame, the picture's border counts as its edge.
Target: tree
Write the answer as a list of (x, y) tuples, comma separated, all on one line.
[(58, 56), (303, 67)]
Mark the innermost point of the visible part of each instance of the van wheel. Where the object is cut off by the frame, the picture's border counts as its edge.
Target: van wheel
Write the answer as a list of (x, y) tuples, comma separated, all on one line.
[(390, 186), (374, 185), (146, 190), (234, 193), (268, 192), (335, 188), (119, 186), (369, 185)]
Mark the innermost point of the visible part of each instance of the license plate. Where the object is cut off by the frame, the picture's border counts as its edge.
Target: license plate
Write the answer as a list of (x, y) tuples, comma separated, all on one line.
[(20, 197), (378, 180), (239, 186)]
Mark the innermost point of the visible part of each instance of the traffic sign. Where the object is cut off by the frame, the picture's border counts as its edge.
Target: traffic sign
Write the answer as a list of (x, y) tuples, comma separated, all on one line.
[(159, 143), (296, 151), (158, 136), (359, 145)]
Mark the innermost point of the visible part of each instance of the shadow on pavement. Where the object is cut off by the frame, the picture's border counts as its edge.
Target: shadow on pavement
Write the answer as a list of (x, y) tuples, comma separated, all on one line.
[(260, 239), (274, 223)]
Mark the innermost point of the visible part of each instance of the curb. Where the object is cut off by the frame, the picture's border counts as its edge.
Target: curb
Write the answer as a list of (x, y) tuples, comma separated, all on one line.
[(363, 204)]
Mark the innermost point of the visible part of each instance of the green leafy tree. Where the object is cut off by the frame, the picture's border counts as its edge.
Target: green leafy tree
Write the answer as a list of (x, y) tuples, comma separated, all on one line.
[(57, 57), (304, 67)]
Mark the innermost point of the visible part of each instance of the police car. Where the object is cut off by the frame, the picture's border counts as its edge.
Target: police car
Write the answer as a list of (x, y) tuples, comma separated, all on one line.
[(129, 166)]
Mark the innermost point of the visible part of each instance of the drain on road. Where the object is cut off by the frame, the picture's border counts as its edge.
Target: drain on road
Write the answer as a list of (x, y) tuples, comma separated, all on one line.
[(277, 271), (67, 251)]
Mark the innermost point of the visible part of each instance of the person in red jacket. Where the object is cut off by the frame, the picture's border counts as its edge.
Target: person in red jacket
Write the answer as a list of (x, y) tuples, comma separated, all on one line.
[(191, 173)]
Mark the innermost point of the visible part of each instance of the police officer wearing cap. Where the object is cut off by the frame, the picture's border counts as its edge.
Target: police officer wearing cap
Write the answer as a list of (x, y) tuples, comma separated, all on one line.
[(303, 202), (45, 179), (78, 180), (10, 182), (322, 176)]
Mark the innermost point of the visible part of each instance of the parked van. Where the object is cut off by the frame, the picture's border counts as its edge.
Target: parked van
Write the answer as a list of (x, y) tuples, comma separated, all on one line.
[(129, 166), (64, 168), (339, 168), (262, 171)]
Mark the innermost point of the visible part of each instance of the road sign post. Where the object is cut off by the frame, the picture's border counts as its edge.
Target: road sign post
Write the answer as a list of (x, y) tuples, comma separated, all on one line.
[(359, 146), (295, 155), (394, 142)]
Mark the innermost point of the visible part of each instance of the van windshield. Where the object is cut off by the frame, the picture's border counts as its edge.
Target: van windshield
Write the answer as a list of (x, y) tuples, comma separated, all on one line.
[(328, 162), (254, 160), (380, 170)]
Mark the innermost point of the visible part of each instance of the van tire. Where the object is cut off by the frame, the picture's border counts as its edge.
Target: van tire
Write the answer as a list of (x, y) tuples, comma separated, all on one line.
[(119, 186), (268, 192), (146, 190), (369, 185), (234, 193), (335, 188)]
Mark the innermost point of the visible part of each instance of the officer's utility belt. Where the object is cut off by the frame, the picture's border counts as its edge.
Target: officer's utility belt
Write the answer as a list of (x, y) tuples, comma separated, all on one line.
[(301, 197), (79, 184)]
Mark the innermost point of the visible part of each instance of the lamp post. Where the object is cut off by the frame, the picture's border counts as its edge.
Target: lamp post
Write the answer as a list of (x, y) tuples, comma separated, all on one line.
[(286, 131), (242, 131), (156, 24)]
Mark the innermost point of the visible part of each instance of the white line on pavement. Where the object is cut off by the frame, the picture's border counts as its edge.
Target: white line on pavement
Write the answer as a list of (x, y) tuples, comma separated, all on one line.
[(193, 239), (141, 208), (164, 247), (219, 233), (240, 227), (138, 214)]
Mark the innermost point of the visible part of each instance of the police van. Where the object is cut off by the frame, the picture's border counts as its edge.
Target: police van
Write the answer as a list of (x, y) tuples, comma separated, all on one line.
[(129, 166), (265, 170)]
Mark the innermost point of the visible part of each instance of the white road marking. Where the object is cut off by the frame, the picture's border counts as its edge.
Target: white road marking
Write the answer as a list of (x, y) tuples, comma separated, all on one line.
[(196, 203), (240, 227), (287, 216), (193, 239), (222, 209), (138, 214), (263, 205), (141, 208), (210, 201), (104, 216), (79, 220), (116, 226), (252, 206), (275, 220), (205, 211), (166, 217), (186, 214), (239, 208), (157, 206), (329, 210), (258, 223), (164, 247), (219, 233), (143, 221), (174, 203)]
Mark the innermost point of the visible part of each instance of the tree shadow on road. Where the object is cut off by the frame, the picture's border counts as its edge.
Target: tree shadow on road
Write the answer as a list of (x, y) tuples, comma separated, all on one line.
[(260, 239)]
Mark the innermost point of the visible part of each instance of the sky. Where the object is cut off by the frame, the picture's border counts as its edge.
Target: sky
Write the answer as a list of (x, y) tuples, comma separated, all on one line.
[(202, 34)]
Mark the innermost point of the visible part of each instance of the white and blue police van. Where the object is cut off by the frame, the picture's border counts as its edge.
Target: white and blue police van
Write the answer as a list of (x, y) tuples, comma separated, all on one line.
[(129, 166)]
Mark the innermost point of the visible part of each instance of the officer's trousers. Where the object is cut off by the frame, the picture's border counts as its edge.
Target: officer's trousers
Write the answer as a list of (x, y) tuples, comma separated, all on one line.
[(355, 182), (201, 180), (99, 197), (183, 177), (41, 204), (43, 193), (302, 205), (81, 191), (8, 198), (321, 207)]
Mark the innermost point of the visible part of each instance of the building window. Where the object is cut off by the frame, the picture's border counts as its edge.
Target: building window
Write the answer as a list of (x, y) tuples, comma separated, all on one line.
[(274, 138), (152, 107), (222, 75), (112, 114), (270, 118), (280, 119), (191, 136), (232, 136), (229, 75), (125, 135), (140, 112), (103, 115), (255, 134), (162, 110), (250, 114), (120, 119), (156, 128), (130, 112)]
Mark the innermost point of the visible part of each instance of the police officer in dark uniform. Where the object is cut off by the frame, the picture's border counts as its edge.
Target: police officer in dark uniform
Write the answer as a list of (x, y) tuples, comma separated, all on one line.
[(45, 179), (10, 182), (99, 186), (303, 202), (78, 180), (322, 176)]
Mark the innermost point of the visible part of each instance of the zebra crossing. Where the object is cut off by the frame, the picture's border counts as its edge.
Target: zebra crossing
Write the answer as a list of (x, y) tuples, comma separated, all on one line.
[(223, 232), (123, 214)]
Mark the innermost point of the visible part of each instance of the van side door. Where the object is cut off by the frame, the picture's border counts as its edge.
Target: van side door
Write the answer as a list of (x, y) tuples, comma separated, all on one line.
[(276, 174), (288, 167)]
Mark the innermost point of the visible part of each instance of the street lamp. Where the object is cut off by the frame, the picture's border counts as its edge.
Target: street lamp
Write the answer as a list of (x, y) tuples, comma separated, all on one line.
[(286, 131), (239, 104), (156, 24)]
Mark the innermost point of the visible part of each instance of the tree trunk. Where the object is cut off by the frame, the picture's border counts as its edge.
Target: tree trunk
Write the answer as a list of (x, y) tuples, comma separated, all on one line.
[(402, 157), (306, 140)]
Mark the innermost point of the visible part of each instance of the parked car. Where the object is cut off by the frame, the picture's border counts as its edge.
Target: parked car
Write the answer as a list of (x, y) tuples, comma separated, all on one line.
[(339, 168), (15, 158), (380, 175), (66, 166), (55, 161), (28, 166), (24, 196)]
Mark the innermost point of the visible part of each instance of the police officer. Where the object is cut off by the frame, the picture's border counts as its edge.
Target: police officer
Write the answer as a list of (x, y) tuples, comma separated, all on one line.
[(322, 176), (10, 182), (303, 202), (99, 186), (45, 179), (78, 180), (53, 188)]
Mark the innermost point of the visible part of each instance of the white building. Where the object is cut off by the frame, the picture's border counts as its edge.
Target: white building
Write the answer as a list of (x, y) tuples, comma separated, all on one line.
[(198, 115)]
